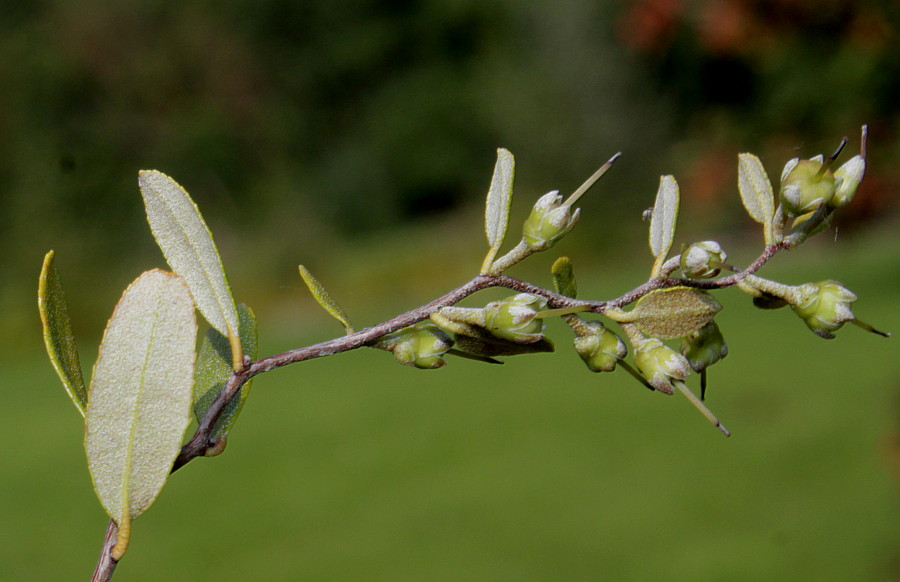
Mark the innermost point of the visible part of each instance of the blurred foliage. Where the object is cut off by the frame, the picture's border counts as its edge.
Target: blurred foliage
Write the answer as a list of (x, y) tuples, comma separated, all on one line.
[(769, 76), (298, 126)]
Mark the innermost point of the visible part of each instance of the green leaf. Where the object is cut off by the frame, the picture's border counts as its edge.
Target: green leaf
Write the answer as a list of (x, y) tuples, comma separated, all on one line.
[(58, 336), (662, 224), (140, 396), (499, 197), (188, 246), (324, 299), (564, 277), (672, 313), (756, 192), (214, 369)]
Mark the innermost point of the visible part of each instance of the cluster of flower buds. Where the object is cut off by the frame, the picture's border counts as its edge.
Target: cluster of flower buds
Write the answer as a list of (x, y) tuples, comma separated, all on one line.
[(807, 185), (810, 192)]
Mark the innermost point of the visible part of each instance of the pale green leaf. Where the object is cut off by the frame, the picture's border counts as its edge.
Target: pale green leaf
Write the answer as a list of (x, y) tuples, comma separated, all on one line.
[(499, 197), (674, 312), (324, 299), (58, 336), (214, 369), (665, 215), (188, 246), (756, 191), (140, 396), (564, 277)]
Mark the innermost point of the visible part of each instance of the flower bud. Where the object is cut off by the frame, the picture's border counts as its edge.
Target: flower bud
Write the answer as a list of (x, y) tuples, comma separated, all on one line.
[(598, 347), (824, 306), (515, 318), (807, 185), (701, 260), (704, 347), (847, 179), (549, 220), (660, 365), (421, 345)]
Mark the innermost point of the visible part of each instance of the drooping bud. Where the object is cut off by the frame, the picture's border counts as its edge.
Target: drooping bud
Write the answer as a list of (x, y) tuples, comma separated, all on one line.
[(598, 347), (704, 347), (516, 318), (421, 345), (847, 178), (805, 186), (824, 306), (660, 365), (549, 221), (701, 260)]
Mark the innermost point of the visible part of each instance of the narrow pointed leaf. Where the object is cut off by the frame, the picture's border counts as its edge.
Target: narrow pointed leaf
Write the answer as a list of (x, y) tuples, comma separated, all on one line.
[(756, 191), (58, 336), (665, 215), (324, 299), (214, 370), (140, 396), (499, 197), (188, 246)]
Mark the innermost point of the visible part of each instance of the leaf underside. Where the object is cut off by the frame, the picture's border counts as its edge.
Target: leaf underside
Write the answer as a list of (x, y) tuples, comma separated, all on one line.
[(499, 197), (665, 215), (187, 244), (755, 189), (673, 313), (140, 395)]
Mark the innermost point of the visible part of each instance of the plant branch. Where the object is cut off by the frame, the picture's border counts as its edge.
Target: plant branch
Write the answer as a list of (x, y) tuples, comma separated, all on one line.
[(200, 442)]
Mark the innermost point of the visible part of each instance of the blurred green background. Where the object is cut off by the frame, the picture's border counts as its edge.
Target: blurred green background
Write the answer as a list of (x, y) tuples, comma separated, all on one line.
[(358, 137)]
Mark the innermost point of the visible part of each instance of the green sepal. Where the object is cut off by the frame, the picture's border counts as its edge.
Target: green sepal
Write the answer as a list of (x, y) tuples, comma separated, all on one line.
[(214, 369), (58, 337)]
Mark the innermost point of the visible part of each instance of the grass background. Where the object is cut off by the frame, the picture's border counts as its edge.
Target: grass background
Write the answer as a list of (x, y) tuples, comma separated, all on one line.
[(353, 468)]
